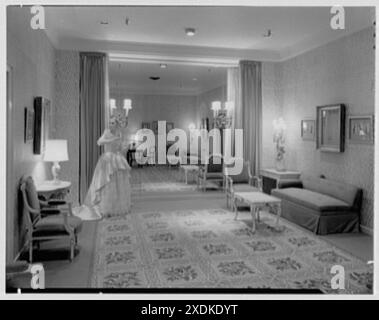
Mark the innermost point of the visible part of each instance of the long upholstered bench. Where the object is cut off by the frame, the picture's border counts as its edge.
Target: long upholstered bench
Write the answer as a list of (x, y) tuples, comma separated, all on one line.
[(321, 205)]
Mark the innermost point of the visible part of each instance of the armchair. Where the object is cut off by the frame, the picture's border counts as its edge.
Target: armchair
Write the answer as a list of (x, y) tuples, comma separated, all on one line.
[(47, 220), (212, 171), (243, 182)]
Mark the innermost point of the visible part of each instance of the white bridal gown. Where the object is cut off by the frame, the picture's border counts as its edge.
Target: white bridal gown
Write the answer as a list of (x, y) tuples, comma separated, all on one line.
[(109, 193)]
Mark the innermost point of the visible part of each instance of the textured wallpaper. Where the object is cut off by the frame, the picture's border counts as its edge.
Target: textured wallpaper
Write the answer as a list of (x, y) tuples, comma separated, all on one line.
[(181, 110), (339, 72), (67, 114), (271, 110), (31, 57)]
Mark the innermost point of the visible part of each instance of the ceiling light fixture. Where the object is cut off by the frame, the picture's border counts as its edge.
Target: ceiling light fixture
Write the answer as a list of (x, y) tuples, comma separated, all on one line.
[(104, 22), (127, 21), (154, 78), (194, 79), (163, 65), (190, 32)]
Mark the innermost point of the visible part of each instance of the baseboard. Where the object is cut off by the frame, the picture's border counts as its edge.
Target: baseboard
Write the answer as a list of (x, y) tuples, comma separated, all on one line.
[(367, 230)]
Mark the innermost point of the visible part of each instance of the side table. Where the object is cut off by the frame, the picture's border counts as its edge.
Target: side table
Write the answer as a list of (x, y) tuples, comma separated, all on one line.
[(272, 177), (50, 190)]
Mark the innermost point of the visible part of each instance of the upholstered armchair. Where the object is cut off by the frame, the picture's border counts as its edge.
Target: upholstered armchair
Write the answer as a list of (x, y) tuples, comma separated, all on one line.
[(47, 220), (212, 171), (243, 182)]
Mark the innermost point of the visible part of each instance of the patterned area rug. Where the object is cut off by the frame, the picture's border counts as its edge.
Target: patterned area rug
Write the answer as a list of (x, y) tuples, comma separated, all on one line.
[(163, 186), (209, 249), (162, 178)]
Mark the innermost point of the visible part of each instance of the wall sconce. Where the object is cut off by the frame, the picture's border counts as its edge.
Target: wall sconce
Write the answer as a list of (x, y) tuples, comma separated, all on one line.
[(279, 141), (127, 106), (216, 107), (121, 115), (222, 116), (113, 106)]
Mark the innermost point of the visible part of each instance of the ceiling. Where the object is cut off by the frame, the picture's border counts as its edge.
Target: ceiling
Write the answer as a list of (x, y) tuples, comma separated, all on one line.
[(175, 79), (233, 32), (224, 35)]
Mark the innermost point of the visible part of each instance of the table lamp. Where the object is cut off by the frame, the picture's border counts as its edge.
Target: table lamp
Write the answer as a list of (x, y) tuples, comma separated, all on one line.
[(56, 151)]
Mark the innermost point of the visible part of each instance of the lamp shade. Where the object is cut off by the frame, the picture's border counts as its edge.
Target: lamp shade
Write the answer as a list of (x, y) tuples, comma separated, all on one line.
[(127, 104), (56, 150), (216, 105), (113, 104)]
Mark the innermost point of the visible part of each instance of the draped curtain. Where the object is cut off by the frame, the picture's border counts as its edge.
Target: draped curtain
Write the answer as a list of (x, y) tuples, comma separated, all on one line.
[(233, 94), (249, 111), (93, 104)]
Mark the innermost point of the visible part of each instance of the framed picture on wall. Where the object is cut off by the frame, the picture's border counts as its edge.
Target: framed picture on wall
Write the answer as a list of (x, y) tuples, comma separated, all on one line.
[(145, 125), (330, 128), (308, 130), (361, 129), (28, 125), (42, 116)]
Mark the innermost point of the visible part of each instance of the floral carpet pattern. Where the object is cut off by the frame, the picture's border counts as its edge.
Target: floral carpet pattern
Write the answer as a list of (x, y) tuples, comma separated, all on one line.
[(209, 249), (163, 179), (158, 179)]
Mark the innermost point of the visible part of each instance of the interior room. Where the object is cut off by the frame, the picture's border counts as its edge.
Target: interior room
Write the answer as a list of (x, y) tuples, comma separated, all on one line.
[(162, 148)]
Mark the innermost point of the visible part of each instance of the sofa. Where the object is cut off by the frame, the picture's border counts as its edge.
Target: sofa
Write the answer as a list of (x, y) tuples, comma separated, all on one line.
[(321, 205)]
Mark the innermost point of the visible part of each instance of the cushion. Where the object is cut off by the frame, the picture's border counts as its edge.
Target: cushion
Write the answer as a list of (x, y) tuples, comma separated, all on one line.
[(214, 175), (342, 191), (244, 187), (310, 199), (54, 225), (32, 196)]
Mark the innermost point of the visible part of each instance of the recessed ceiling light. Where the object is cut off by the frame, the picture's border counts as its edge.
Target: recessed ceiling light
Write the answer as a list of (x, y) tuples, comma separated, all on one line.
[(190, 32), (194, 79), (163, 65), (154, 78), (104, 22)]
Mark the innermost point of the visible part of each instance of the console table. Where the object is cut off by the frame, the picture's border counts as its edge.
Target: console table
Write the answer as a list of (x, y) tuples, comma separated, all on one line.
[(49, 190), (271, 178)]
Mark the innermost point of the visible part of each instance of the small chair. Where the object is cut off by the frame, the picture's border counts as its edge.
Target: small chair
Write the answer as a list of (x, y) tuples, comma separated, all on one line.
[(243, 182), (212, 171), (47, 220)]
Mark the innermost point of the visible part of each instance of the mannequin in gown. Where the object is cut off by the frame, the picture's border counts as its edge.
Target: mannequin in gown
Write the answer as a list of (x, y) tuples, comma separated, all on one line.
[(109, 193)]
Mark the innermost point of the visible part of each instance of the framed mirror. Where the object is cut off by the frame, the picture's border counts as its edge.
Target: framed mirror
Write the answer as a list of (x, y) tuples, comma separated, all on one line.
[(331, 128)]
